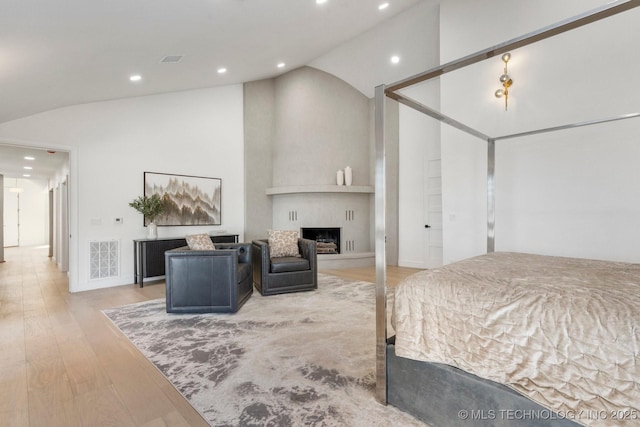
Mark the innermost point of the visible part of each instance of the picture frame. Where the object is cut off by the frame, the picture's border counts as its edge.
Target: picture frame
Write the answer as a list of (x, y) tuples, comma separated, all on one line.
[(188, 200)]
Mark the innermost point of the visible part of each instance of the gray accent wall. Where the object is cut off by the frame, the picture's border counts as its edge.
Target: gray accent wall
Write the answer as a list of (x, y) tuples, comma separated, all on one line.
[(321, 127), (259, 122), (300, 129)]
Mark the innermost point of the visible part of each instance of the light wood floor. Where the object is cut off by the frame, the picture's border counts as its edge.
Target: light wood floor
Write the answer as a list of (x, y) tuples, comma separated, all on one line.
[(62, 362), (394, 274)]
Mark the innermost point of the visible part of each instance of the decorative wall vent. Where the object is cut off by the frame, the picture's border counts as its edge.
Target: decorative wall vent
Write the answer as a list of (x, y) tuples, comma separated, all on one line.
[(105, 259), (171, 59)]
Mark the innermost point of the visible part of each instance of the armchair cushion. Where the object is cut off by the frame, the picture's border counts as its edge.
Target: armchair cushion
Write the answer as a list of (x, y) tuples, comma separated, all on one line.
[(283, 243), (289, 263)]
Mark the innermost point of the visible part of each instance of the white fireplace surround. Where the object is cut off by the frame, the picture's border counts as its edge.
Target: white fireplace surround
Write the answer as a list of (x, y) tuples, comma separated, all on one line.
[(349, 211)]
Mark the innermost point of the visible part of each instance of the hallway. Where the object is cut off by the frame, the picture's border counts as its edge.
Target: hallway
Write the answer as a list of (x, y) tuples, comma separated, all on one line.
[(62, 363)]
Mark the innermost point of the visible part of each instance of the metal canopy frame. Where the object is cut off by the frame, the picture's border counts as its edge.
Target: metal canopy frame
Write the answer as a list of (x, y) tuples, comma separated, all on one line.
[(391, 91)]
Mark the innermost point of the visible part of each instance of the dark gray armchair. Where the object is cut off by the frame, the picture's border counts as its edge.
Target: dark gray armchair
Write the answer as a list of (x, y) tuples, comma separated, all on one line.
[(284, 274), (209, 281)]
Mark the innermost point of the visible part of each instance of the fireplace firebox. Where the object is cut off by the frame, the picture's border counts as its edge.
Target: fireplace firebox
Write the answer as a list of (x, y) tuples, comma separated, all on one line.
[(328, 238)]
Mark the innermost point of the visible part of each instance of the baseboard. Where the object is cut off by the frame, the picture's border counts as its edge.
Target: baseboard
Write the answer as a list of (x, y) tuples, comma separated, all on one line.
[(348, 260)]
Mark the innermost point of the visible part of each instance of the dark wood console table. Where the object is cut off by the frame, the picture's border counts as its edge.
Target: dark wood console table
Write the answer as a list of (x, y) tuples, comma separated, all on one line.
[(148, 254)]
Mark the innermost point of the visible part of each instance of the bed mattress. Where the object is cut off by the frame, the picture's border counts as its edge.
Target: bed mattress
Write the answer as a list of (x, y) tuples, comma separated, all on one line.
[(564, 332)]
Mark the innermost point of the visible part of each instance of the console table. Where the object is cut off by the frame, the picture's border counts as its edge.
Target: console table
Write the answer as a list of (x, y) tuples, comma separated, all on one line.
[(148, 254)]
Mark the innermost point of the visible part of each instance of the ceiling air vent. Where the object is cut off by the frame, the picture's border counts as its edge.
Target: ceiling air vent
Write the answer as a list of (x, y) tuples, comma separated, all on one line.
[(171, 59)]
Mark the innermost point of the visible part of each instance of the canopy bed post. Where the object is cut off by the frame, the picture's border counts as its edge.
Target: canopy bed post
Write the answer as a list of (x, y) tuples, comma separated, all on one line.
[(380, 243), (491, 195)]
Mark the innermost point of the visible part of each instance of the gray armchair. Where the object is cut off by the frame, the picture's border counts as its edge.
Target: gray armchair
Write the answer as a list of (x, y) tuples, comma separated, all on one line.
[(284, 274), (209, 281)]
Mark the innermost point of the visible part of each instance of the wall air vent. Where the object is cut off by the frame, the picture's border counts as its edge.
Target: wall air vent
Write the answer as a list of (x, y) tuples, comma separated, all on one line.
[(104, 258), (171, 59)]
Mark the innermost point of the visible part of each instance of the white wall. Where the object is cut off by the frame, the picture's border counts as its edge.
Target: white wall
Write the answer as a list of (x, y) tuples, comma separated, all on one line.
[(570, 193), (575, 193), (112, 143), (418, 134)]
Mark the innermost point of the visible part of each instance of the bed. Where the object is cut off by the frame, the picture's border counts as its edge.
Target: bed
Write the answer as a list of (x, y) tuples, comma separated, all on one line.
[(447, 370), (563, 332)]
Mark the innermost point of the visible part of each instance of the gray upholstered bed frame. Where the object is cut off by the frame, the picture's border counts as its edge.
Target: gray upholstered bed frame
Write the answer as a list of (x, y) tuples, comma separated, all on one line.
[(442, 395), (436, 393)]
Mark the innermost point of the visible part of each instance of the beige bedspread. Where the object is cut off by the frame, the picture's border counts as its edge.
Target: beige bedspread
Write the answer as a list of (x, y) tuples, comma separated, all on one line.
[(565, 332)]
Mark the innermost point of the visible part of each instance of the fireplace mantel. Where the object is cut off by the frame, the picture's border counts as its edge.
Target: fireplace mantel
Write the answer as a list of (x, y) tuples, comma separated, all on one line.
[(320, 189)]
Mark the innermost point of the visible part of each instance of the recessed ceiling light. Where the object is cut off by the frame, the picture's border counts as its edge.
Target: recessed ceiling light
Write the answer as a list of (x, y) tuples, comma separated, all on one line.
[(383, 6), (321, 1), (26, 175), (395, 59), (135, 78), (29, 158), (222, 70), (281, 65), (28, 167)]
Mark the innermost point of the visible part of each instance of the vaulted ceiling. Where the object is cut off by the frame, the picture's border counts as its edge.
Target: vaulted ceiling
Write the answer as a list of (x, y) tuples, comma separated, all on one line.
[(66, 52)]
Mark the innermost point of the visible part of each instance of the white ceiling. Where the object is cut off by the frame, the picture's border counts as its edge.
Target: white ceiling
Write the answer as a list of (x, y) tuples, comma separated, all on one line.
[(67, 52)]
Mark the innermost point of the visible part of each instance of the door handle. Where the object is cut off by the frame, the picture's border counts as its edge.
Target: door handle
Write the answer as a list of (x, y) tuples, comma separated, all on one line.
[(427, 226)]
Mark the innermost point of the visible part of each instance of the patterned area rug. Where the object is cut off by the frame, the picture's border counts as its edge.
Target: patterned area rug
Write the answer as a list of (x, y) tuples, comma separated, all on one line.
[(303, 359)]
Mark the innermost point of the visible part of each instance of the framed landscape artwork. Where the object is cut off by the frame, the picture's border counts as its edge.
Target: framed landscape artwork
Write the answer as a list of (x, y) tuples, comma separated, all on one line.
[(187, 200)]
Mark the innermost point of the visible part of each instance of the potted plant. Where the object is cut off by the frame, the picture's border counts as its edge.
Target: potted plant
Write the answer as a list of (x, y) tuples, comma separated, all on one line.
[(150, 207)]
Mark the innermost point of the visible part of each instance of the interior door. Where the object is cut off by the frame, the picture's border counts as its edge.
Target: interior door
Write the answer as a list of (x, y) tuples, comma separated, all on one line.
[(51, 223), (11, 218), (433, 206), (63, 260)]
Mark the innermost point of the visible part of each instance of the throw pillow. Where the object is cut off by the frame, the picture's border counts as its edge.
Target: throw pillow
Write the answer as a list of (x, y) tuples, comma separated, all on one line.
[(200, 242), (283, 243)]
